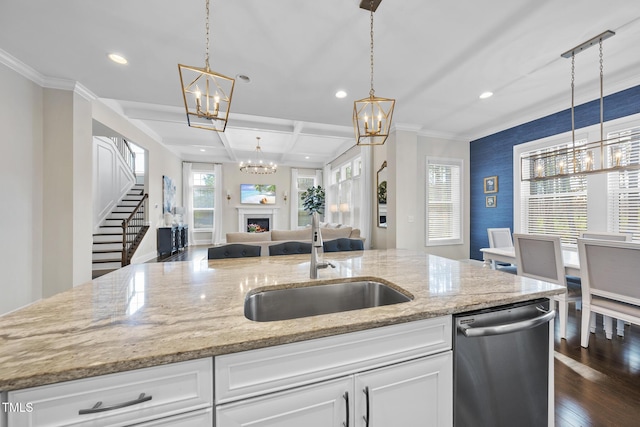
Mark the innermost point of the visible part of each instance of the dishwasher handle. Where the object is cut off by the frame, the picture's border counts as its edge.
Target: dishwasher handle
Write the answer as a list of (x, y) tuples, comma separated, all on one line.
[(507, 328)]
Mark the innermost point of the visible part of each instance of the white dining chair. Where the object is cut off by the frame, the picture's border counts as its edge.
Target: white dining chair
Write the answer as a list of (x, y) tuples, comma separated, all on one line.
[(610, 272), (618, 237), (539, 256), (501, 238)]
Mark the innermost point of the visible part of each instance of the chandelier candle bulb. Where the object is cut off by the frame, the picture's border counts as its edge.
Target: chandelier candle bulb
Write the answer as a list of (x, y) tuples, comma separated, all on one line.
[(618, 158), (561, 168)]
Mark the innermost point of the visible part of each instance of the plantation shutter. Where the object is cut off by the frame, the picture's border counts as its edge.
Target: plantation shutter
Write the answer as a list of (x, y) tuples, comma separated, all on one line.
[(624, 188), (444, 201)]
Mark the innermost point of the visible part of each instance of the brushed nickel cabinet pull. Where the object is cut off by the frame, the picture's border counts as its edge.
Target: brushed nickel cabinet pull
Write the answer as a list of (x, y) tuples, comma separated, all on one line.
[(99, 408)]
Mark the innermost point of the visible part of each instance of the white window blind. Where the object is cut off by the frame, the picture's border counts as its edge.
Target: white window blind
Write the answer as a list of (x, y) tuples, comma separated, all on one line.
[(444, 201), (555, 206), (624, 188)]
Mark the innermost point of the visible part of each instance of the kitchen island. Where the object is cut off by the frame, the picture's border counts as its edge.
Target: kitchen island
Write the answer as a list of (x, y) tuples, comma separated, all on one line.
[(153, 314)]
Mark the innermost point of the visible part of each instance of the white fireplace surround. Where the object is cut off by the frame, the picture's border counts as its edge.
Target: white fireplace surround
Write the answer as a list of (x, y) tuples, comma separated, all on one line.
[(245, 213)]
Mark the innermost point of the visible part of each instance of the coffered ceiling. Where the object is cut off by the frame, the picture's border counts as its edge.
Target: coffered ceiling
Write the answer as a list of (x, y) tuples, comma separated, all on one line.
[(434, 57)]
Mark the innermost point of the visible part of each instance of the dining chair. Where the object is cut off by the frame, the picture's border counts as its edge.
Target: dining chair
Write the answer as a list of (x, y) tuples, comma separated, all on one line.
[(610, 272), (600, 235), (290, 248), (501, 238), (342, 244), (618, 237), (539, 256), (233, 250)]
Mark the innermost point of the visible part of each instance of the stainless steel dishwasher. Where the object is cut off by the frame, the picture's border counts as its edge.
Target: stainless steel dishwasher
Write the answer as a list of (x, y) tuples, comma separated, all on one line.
[(501, 366)]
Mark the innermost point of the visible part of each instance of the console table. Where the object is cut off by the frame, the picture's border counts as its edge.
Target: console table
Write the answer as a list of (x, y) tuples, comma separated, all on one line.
[(172, 239)]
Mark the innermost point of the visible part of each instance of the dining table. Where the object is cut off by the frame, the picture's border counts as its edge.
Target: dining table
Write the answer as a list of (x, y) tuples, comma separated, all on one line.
[(508, 254)]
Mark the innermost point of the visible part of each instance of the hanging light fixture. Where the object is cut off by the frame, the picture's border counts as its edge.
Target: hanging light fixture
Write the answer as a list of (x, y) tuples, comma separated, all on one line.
[(207, 94), (258, 167), (372, 116), (605, 155)]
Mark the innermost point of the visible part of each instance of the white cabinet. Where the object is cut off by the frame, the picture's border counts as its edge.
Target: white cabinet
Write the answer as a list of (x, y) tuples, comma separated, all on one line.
[(406, 370), (126, 398), (416, 393), (319, 405)]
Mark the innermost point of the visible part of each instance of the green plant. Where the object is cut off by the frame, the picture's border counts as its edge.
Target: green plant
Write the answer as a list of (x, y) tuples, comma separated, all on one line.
[(313, 199)]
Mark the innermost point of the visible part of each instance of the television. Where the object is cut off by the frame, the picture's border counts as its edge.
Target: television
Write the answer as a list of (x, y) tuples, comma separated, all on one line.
[(258, 194)]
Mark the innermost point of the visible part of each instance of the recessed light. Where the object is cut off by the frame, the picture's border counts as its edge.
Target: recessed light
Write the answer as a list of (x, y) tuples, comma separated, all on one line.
[(202, 149), (118, 59), (485, 95), (341, 94), (243, 78), (306, 157)]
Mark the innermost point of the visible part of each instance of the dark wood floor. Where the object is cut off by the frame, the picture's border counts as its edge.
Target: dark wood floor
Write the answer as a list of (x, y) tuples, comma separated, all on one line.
[(596, 386)]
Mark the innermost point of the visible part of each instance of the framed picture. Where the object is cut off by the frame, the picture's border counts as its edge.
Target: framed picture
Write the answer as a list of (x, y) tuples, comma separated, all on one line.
[(258, 194), (491, 184), (168, 195), (491, 201)]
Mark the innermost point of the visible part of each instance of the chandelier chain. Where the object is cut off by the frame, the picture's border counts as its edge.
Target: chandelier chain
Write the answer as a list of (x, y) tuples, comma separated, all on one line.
[(371, 91), (206, 56)]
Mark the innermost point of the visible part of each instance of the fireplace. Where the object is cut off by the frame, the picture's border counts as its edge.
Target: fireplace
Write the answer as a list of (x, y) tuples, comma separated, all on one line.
[(257, 225), (250, 214)]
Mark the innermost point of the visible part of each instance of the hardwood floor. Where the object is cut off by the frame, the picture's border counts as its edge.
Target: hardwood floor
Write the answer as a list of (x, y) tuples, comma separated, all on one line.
[(596, 386)]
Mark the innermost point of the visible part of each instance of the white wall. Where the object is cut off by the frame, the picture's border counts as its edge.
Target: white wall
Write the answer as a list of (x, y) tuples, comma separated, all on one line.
[(21, 166), (112, 179), (406, 153)]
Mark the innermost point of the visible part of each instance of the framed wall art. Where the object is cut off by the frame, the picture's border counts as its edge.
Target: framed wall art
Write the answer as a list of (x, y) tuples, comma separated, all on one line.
[(491, 184), (168, 195), (491, 201)]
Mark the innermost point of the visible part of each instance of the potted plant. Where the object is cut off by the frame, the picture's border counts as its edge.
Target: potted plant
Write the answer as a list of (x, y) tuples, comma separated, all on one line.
[(313, 200)]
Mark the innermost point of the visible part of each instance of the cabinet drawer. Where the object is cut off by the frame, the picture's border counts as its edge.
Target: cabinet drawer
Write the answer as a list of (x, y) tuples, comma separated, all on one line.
[(202, 418), (173, 389), (255, 372)]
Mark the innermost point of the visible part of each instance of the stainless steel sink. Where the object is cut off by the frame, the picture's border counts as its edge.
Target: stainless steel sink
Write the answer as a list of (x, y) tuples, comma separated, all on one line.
[(292, 303)]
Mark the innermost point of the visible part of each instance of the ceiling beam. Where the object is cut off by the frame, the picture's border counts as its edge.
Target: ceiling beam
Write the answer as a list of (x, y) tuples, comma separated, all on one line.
[(293, 140)]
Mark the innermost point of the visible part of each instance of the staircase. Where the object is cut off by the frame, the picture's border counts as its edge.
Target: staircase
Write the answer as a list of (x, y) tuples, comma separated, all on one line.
[(107, 242)]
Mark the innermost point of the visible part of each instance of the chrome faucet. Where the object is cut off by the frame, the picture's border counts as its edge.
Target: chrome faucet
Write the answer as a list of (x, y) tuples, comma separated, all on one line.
[(316, 242)]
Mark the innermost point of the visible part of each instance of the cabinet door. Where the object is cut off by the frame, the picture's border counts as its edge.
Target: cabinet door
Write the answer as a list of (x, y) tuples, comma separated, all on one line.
[(319, 405), (417, 393)]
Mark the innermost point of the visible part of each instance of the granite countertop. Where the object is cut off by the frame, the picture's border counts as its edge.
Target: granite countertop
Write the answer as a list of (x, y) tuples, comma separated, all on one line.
[(156, 313)]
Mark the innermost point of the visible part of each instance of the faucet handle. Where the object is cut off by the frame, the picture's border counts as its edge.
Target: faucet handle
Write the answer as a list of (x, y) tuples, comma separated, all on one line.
[(331, 264)]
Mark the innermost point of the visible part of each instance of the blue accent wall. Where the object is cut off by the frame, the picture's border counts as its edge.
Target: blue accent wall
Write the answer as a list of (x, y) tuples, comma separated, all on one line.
[(493, 155)]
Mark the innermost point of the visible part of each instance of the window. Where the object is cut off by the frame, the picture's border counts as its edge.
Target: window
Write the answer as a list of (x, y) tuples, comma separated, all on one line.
[(302, 184), (605, 201), (444, 201), (344, 193), (624, 187), (203, 200), (555, 206)]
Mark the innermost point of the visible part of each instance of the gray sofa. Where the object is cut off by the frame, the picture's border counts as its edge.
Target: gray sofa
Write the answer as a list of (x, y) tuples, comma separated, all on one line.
[(273, 237)]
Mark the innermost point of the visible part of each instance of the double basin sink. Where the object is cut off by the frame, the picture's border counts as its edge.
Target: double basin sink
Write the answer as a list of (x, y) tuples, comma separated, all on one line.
[(312, 300)]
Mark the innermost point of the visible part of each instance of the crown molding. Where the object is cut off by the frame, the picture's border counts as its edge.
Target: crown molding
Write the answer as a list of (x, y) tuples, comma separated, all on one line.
[(44, 81)]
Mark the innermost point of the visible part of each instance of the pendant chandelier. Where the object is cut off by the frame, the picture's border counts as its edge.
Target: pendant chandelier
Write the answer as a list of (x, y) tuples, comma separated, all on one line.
[(372, 116), (258, 167), (207, 94), (605, 155)]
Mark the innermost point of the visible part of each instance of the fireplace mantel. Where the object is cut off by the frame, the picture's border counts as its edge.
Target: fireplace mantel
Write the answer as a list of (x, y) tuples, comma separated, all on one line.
[(245, 212)]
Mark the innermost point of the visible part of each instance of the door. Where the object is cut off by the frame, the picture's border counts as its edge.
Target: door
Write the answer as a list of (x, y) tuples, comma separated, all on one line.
[(324, 404), (418, 393)]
